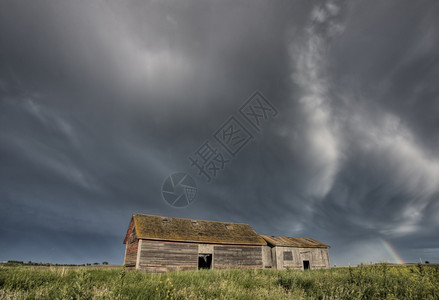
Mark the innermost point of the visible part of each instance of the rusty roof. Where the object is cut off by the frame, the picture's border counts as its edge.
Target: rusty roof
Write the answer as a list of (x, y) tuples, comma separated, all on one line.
[(190, 230), (294, 242)]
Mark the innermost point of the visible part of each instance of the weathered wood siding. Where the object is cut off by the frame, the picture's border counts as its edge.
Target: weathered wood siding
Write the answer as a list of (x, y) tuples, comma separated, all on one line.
[(168, 256), (131, 248), (317, 257), (267, 260), (228, 257)]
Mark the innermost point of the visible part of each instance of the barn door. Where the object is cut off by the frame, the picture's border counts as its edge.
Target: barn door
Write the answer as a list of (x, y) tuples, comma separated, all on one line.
[(204, 261), (306, 265), (306, 258)]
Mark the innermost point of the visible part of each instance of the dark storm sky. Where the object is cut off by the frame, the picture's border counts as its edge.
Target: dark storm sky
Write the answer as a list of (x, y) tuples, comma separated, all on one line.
[(101, 100)]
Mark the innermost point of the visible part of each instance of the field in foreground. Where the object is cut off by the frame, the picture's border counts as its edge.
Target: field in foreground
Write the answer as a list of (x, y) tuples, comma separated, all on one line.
[(363, 282)]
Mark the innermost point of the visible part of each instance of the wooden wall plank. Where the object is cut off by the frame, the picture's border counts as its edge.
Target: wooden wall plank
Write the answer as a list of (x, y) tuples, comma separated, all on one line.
[(131, 249), (237, 257), (169, 256)]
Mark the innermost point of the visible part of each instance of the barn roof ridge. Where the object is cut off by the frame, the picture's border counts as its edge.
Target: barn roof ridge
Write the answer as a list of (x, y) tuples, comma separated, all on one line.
[(192, 230), (162, 228), (300, 242), (190, 219)]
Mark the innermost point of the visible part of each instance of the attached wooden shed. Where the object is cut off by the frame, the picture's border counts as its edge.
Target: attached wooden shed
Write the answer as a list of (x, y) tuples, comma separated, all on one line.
[(298, 253), (161, 244)]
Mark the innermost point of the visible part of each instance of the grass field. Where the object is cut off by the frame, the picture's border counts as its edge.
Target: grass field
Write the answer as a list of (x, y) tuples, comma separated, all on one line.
[(363, 282)]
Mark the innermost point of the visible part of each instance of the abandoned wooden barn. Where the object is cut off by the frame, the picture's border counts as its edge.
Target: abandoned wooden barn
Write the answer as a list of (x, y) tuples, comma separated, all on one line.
[(161, 244), (298, 253)]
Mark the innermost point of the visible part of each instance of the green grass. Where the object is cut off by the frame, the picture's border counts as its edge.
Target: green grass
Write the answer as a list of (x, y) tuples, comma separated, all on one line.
[(363, 282)]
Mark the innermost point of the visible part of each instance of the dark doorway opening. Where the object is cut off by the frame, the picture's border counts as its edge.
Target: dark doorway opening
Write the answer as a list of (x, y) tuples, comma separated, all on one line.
[(204, 261), (306, 265)]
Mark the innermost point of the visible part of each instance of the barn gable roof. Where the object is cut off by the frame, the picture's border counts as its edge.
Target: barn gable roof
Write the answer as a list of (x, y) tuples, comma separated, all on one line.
[(294, 242), (189, 230)]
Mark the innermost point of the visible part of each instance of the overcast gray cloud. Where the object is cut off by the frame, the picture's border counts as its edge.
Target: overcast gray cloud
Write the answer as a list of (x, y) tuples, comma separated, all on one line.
[(101, 100)]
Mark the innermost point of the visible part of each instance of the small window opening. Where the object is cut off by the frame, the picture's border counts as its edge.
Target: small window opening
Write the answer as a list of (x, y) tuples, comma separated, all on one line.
[(288, 255)]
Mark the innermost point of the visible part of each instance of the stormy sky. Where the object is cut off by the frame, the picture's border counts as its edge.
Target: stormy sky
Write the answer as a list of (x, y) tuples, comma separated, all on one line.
[(101, 100)]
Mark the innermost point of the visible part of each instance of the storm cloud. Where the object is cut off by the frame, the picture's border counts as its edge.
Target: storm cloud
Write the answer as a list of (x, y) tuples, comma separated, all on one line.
[(101, 100)]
